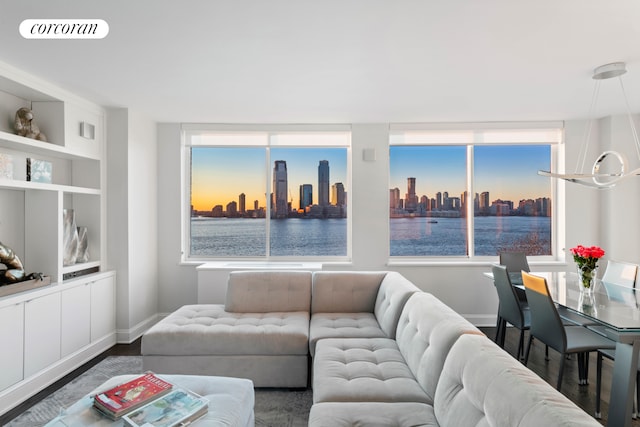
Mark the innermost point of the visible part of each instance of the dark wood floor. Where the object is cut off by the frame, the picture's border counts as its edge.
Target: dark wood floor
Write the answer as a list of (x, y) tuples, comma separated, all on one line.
[(584, 396)]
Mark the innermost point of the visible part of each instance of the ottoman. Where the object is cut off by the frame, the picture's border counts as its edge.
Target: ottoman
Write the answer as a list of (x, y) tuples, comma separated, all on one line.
[(231, 402)]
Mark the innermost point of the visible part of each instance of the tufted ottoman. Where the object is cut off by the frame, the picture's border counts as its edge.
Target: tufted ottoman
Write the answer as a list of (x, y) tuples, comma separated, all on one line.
[(261, 333)]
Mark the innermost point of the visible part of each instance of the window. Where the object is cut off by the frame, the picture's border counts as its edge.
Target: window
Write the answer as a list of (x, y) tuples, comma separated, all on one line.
[(471, 192), (305, 174)]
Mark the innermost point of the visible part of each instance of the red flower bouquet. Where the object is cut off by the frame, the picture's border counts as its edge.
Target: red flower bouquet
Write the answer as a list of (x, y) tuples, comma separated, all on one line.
[(587, 260)]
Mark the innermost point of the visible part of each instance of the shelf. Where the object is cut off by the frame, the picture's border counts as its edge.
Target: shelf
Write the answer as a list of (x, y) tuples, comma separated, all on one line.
[(20, 143), (12, 184)]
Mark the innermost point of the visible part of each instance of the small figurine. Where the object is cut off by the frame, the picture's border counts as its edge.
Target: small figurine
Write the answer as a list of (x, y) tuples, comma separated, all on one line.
[(25, 126), (15, 271)]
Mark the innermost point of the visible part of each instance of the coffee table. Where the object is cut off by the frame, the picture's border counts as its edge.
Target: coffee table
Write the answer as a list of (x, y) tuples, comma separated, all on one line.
[(231, 402)]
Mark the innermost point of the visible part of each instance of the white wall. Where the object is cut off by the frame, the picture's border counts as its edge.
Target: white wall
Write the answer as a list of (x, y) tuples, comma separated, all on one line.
[(132, 200), (461, 285)]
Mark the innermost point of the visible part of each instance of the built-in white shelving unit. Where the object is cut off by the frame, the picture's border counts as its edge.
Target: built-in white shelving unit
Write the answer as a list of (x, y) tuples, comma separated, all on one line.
[(53, 329)]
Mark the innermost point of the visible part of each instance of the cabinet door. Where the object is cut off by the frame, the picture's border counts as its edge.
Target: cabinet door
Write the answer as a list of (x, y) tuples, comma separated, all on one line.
[(41, 333), (11, 337), (103, 307), (75, 318)]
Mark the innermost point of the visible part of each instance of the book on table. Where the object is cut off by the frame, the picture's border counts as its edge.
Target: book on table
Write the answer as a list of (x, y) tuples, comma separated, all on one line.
[(179, 407), (130, 395)]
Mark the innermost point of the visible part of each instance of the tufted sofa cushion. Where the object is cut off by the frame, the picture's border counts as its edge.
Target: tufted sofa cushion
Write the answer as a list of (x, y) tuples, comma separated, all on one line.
[(426, 331), (372, 414), (268, 291), (482, 385), (342, 325), (345, 292), (393, 294), (363, 370), (207, 329)]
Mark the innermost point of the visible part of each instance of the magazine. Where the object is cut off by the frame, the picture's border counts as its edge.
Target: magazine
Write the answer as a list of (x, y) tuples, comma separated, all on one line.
[(177, 408), (130, 395)]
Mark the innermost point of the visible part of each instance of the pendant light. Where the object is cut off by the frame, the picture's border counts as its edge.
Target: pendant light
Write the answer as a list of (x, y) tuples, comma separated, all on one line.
[(599, 178)]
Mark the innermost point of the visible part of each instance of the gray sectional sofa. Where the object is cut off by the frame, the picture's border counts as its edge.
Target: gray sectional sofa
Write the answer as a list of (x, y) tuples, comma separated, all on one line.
[(383, 352)]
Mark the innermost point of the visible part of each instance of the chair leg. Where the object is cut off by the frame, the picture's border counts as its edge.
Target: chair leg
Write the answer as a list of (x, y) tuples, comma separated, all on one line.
[(580, 357), (598, 414), (498, 324), (585, 367), (526, 355), (520, 344), (637, 411), (546, 353), (561, 372)]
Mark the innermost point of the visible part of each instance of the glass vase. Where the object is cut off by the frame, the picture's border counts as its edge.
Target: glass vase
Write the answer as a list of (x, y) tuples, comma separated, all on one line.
[(587, 283)]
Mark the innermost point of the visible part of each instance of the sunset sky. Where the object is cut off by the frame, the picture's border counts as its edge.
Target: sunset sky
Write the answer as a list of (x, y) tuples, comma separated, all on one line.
[(507, 172), (219, 175)]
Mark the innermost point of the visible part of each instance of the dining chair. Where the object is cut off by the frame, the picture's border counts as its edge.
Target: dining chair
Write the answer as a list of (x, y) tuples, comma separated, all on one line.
[(510, 309), (620, 273), (546, 326), (515, 262)]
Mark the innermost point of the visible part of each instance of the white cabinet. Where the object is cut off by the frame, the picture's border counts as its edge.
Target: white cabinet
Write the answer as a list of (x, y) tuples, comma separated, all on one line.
[(41, 333), (75, 318), (12, 339), (49, 331), (103, 307)]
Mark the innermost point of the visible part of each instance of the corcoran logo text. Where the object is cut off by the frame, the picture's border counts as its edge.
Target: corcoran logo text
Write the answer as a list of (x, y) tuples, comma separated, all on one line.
[(64, 29)]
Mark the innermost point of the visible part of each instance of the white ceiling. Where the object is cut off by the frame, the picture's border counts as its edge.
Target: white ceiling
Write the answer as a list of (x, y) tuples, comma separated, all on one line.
[(349, 61)]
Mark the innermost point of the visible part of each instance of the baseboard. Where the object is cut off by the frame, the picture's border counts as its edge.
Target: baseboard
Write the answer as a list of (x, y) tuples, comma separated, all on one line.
[(21, 391), (127, 336)]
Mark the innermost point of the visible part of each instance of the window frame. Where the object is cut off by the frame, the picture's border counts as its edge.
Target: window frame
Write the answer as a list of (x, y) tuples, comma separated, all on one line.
[(487, 134), (267, 137)]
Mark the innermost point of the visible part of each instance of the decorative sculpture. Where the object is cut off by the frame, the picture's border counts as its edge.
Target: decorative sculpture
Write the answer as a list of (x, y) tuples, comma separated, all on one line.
[(25, 126), (14, 272)]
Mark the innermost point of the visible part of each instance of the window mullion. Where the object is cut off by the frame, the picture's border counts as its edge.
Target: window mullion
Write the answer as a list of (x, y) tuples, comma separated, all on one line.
[(268, 199), (470, 204)]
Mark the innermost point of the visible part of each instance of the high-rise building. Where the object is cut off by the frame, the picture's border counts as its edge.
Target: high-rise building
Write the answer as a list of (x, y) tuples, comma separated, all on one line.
[(306, 195), (411, 199), (394, 198), (323, 183), (279, 205), (484, 204), (438, 200), (242, 208), (338, 194)]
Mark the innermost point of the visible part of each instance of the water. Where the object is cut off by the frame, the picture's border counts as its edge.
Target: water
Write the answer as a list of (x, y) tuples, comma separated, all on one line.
[(422, 237), (241, 237)]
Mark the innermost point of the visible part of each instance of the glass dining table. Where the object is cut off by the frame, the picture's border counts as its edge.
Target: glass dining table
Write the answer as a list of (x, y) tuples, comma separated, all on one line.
[(617, 310)]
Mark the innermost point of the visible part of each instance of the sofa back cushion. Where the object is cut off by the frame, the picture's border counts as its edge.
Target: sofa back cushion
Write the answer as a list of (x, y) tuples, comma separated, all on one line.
[(481, 384), (427, 330), (345, 292), (393, 294), (268, 291)]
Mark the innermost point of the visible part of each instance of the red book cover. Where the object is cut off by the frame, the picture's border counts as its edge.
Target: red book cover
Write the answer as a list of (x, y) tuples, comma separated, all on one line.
[(130, 395)]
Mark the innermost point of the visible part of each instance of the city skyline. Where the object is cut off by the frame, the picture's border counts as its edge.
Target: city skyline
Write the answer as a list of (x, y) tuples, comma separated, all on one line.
[(509, 172), (219, 175)]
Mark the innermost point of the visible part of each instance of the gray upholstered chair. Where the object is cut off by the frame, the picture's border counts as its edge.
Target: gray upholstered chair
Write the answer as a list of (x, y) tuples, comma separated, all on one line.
[(511, 309), (514, 261), (547, 327)]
